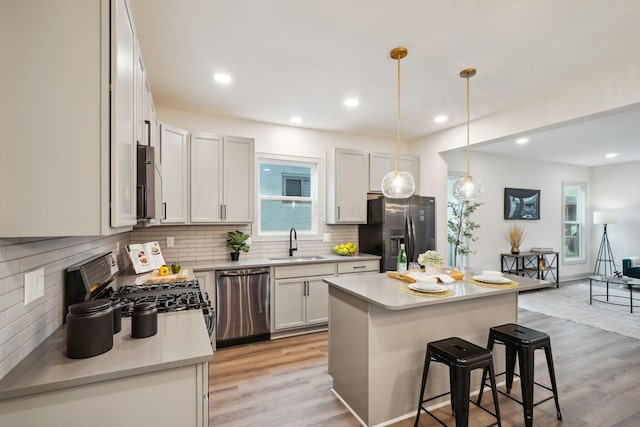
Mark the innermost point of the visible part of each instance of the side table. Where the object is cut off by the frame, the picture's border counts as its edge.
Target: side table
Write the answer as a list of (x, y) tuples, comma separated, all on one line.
[(541, 265)]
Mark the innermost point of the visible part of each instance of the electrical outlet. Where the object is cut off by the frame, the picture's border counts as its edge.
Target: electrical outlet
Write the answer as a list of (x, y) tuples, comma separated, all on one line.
[(170, 242), (33, 285), (326, 237)]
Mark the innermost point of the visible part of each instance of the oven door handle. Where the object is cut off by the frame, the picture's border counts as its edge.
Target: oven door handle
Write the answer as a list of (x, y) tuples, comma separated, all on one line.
[(208, 311)]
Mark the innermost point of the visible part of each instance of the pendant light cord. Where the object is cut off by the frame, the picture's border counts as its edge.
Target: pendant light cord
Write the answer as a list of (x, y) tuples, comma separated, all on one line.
[(468, 126), (398, 147)]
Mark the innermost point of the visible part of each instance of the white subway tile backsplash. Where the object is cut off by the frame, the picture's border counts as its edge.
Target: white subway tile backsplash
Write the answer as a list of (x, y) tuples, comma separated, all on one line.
[(23, 328)]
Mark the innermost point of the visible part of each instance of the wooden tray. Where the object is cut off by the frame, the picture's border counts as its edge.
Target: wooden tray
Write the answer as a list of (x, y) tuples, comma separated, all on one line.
[(455, 274), (403, 277), (154, 277)]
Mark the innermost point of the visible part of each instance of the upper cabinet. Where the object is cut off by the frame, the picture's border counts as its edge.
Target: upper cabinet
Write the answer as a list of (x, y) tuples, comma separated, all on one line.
[(221, 179), (174, 157), (347, 186), (127, 73), (381, 164), (68, 119)]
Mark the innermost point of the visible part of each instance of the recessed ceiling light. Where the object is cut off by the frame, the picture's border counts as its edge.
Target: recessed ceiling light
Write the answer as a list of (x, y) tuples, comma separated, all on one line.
[(611, 155), (522, 140), (351, 102), (295, 119), (440, 119), (222, 78)]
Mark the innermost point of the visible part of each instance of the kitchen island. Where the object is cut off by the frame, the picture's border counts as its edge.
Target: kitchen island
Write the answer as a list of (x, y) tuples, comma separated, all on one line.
[(378, 333), (161, 380)]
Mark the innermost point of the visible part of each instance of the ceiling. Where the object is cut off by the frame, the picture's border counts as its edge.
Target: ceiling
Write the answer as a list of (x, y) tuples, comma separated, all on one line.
[(304, 58)]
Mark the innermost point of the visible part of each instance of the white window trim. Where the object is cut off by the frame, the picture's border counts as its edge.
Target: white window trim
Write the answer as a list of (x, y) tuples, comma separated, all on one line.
[(582, 220), (319, 208)]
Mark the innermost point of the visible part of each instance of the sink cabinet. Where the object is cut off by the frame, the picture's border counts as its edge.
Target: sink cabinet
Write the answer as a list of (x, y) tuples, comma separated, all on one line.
[(300, 296), (359, 267)]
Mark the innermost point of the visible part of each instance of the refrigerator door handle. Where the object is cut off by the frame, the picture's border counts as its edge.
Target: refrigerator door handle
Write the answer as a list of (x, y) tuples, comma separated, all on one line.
[(412, 239)]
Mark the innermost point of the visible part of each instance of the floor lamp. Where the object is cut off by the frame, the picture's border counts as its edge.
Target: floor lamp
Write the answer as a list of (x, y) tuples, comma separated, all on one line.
[(605, 265)]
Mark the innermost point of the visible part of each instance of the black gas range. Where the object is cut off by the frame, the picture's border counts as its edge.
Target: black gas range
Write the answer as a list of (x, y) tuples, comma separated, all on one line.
[(92, 278)]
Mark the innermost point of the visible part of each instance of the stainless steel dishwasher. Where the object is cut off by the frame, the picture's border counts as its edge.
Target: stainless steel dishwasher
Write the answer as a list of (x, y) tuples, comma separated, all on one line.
[(242, 306)]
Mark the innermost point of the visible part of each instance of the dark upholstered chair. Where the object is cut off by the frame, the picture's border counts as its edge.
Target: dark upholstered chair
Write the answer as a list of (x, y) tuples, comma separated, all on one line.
[(631, 267)]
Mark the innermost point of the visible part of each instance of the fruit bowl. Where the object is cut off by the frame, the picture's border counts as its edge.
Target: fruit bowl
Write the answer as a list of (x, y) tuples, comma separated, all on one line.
[(346, 249)]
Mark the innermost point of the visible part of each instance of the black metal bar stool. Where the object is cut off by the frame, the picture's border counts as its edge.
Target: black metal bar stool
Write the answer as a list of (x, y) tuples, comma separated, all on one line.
[(523, 342), (462, 357)]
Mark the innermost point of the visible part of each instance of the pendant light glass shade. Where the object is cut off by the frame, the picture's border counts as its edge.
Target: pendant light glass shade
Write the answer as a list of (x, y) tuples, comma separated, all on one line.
[(398, 184), (467, 189)]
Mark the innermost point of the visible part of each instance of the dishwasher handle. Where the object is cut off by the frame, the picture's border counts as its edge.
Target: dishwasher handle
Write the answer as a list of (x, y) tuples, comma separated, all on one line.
[(234, 273)]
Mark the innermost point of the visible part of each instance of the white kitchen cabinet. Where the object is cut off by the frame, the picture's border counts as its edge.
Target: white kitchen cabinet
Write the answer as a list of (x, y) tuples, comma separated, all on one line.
[(125, 71), (380, 164), (175, 174), (300, 296), (71, 127), (221, 179), (412, 165), (347, 186), (359, 267)]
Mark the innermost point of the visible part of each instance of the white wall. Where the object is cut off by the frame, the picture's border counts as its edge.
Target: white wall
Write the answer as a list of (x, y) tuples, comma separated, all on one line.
[(617, 90), (614, 188), (277, 139), (498, 172)]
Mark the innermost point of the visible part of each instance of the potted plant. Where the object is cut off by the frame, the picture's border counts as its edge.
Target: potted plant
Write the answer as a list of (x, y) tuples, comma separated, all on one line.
[(237, 241), (432, 261), (461, 228)]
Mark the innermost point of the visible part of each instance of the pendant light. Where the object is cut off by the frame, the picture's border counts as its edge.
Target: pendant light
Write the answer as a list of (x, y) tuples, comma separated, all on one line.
[(468, 189), (398, 184)]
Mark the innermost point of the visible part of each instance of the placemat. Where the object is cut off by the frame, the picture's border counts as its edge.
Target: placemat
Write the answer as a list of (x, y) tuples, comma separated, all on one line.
[(446, 293), (511, 284)]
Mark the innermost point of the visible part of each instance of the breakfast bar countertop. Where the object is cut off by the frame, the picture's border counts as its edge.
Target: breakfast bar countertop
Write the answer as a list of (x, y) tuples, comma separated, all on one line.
[(386, 292)]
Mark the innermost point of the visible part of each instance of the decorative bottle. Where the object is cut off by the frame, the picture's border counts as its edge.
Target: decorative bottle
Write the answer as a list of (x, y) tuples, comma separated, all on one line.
[(402, 260)]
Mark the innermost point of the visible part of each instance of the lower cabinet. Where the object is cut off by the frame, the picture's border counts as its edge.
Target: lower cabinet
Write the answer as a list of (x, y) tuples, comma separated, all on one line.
[(301, 296), (359, 267), (173, 397)]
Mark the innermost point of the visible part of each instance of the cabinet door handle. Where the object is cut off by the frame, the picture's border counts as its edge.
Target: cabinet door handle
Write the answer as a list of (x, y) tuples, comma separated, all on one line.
[(306, 288), (148, 123), (355, 267), (164, 211), (338, 212)]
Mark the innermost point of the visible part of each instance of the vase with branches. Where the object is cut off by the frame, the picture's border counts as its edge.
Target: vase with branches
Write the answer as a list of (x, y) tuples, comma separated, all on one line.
[(515, 234), (461, 228)]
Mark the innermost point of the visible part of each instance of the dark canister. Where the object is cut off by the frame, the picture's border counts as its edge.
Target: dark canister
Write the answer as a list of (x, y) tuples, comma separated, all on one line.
[(89, 328), (117, 315), (144, 320)]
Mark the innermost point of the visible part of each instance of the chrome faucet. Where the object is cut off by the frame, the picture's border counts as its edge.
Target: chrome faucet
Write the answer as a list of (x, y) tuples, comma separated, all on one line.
[(293, 234)]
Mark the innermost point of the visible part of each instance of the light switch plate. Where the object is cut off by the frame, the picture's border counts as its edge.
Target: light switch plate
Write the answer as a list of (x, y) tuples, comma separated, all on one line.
[(326, 237), (170, 242), (33, 285)]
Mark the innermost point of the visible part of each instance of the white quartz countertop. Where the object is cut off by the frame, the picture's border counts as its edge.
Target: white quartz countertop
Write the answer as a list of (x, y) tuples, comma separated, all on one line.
[(244, 262), (181, 340), (386, 292)]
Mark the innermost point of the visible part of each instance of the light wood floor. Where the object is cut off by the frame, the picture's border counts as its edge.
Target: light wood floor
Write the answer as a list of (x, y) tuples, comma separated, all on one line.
[(285, 382)]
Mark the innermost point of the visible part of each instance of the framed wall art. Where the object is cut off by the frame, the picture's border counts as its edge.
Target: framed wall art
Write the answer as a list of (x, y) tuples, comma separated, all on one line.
[(520, 203)]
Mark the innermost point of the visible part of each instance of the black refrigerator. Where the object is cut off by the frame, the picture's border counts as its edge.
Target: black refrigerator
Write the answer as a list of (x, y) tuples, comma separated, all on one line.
[(390, 222)]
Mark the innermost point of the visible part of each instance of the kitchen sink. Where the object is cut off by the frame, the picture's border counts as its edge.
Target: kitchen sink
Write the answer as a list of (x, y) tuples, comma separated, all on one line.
[(299, 259)]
